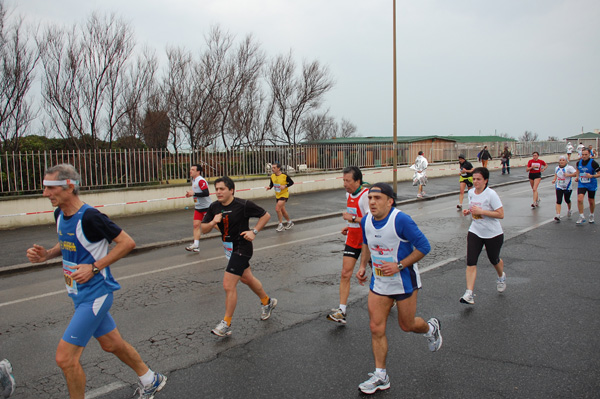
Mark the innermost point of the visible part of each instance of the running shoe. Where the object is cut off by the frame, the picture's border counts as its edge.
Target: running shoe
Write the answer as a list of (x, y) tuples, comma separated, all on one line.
[(459, 206), (591, 218), (192, 248), (468, 299), (280, 227), (337, 315), (569, 213), (268, 308), (423, 193), (222, 329), (419, 195), (435, 339), (148, 391), (374, 383), (289, 225), (533, 205), (7, 380), (557, 219), (581, 220), (501, 282)]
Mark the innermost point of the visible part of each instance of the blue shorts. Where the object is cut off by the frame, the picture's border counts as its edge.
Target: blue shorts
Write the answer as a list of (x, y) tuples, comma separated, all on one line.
[(90, 319)]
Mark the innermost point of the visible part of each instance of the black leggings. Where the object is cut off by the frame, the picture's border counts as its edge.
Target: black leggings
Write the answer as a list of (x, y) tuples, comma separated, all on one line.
[(563, 193), (492, 248)]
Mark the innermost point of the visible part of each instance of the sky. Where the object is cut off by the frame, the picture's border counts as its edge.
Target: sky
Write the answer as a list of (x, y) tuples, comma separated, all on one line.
[(464, 67)]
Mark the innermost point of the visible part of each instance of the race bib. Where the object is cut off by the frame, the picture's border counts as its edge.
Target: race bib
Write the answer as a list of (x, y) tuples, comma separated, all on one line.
[(472, 204), (228, 247), (353, 212), (377, 262), (535, 166), (68, 270), (277, 187), (584, 179)]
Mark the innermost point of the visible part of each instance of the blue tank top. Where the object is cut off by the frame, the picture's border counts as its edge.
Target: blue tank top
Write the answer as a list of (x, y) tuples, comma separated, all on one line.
[(587, 182), (76, 250)]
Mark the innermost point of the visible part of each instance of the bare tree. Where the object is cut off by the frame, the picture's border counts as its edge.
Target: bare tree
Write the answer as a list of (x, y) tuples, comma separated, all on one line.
[(553, 138), (295, 97), (347, 129), (319, 127), (18, 60), (81, 66), (156, 129), (528, 136)]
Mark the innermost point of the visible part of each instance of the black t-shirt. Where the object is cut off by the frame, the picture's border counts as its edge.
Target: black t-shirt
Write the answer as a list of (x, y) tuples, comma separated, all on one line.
[(468, 166), (96, 225), (235, 220)]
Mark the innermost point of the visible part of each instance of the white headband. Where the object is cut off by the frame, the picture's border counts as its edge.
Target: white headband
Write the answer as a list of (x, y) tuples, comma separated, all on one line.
[(60, 182)]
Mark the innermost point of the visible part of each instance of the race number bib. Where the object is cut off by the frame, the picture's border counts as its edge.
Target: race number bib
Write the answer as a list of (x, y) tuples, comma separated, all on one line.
[(472, 204), (277, 187), (68, 270), (228, 247), (535, 166), (377, 262), (353, 212), (584, 179)]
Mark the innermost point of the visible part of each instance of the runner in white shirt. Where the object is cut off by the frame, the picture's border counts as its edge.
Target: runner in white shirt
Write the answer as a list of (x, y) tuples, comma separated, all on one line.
[(562, 180), (486, 210), (202, 201)]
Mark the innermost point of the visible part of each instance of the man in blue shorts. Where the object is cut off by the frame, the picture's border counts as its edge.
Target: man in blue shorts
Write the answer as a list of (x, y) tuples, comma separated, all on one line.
[(395, 244), (84, 235), (588, 171)]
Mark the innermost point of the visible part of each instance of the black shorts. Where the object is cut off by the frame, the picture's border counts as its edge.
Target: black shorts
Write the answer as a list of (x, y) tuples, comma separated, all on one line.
[(467, 180), (582, 190), (281, 199), (352, 252), (397, 297), (238, 264), (533, 176), (563, 193), (492, 248)]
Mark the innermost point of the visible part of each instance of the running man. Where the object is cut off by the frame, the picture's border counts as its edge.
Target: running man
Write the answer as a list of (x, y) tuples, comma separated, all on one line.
[(569, 151), (562, 178), (201, 203), (281, 182), (485, 156), (357, 206), (7, 380), (466, 178), (420, 177), (232, 218), (580, 147), (486, 211), (395, 244), (84, 235), (588, 171), (535, 167)]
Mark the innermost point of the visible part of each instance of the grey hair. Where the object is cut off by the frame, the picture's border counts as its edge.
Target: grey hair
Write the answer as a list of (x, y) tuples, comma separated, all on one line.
[(65, 171), (564, 158)]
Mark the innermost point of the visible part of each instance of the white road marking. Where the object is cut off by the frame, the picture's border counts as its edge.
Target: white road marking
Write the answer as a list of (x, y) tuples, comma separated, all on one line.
[(94, 393), (166, 269)]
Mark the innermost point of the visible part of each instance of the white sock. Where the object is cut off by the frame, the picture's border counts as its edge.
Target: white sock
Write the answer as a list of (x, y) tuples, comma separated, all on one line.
[(381, 373), (582, 215), (196, 243), (147, 378), (343, 308)]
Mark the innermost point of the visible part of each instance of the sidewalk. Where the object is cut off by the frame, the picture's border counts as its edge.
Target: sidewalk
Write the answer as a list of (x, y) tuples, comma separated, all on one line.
[(175, 228)]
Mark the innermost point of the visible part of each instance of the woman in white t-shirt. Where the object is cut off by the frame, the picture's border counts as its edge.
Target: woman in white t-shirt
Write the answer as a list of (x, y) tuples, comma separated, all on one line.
[(562, 179), (486, 210)]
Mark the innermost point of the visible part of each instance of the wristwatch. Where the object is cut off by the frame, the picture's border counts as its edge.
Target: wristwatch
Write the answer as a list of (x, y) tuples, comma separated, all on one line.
[(255, 231), (354, 218), (400, 266), (95, 270)]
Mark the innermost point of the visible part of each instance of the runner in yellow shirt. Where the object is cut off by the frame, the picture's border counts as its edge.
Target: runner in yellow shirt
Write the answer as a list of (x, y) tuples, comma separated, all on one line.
[(281, 182)]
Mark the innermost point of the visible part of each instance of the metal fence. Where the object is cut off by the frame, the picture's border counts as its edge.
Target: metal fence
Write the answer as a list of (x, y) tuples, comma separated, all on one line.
[(23, 172)]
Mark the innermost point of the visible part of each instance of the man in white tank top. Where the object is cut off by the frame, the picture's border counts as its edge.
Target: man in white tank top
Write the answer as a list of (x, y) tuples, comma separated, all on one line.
[(395, 244)]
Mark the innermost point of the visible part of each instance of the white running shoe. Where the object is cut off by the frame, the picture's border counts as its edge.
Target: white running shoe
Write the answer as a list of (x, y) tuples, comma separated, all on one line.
[(501, 283), (192, 248), (280, 227), (7, 381), (557, 218), (222, 329), (581, 220), (591, 218), (467, 298), (374, 383), (569, 213), (419, 195), (289, 225), (337, 315), (435, 339), (268, 308)]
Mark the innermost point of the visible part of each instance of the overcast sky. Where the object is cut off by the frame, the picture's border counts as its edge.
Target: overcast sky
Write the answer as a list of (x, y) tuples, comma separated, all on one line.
[(465, 67)]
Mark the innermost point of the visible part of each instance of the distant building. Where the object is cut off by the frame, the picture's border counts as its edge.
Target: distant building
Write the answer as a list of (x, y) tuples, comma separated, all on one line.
[(586, 139)]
